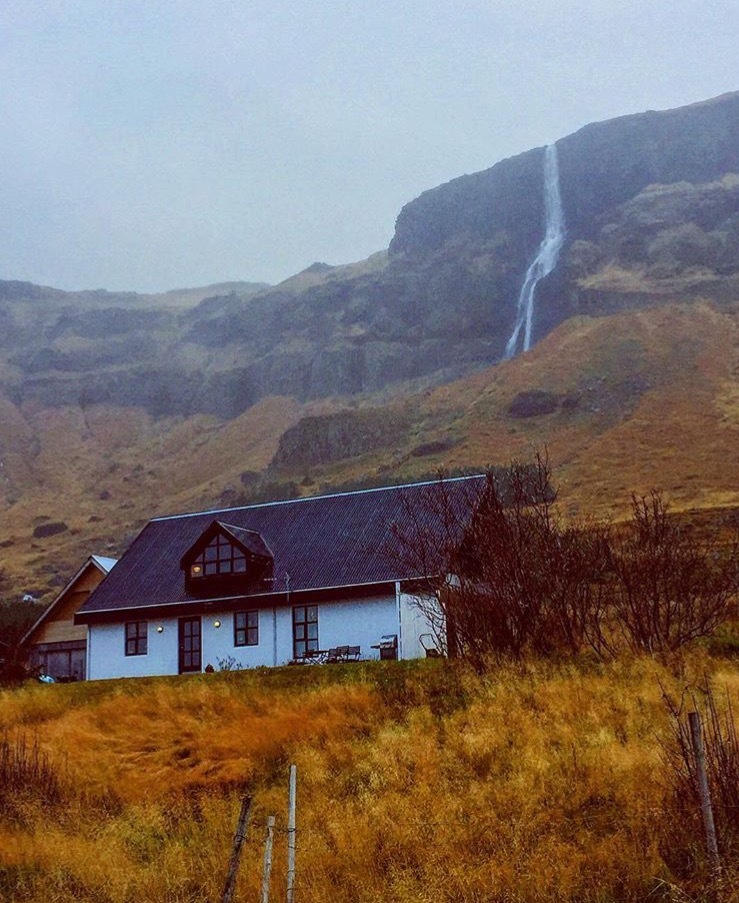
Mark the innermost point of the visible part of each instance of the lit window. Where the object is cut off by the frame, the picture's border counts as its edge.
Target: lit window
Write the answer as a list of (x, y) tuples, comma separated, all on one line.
[(219, 557)]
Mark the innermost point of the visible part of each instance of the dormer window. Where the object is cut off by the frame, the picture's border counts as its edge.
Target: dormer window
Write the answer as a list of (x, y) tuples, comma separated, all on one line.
[(226, 559), (220, 556)]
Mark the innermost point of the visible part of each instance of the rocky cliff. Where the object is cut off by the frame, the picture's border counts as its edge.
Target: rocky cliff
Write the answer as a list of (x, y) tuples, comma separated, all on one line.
[(651, 207)]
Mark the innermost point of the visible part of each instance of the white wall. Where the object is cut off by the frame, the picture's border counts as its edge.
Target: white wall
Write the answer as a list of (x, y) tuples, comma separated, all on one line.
[(351, 623), (358, 623), (218, 642), (106, 656), (415, 623)]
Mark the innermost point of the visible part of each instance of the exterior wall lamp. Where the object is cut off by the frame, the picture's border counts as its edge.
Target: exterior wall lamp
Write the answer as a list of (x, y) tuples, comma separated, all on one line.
[(216, 623), (160, 629)]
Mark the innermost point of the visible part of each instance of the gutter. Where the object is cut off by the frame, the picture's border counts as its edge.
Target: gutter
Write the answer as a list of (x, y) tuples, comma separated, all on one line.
[(230, 603)]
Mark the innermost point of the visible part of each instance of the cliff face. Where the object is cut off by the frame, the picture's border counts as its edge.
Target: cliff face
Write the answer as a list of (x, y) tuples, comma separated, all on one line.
[(507, 197), (605, 164), (601, 166), (652, 214)]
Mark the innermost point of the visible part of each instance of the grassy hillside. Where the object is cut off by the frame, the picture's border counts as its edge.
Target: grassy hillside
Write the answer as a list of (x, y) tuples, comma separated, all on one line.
[(417, 782), (626, 402)]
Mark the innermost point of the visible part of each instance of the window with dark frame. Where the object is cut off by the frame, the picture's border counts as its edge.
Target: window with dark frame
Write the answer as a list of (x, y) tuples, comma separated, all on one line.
[(246, 628), (136, 637), (220, 556), (305, 630)]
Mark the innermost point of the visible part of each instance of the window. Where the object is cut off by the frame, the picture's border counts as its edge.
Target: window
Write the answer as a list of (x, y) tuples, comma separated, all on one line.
[(246, 628), (136, 634), (305, 630), (220, 556)]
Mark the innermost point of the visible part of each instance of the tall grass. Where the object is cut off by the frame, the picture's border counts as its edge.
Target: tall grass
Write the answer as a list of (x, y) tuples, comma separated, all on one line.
[(416, 782), (684, 845), (25, 770)]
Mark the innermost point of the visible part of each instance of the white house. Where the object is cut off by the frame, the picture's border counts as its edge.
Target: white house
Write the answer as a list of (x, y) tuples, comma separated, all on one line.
[(267, 584)]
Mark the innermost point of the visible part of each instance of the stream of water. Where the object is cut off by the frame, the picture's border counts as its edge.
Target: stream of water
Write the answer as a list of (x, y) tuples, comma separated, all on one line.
[(546, 256)]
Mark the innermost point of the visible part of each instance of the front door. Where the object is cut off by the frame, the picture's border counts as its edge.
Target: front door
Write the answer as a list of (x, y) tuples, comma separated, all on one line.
[(190, 645)]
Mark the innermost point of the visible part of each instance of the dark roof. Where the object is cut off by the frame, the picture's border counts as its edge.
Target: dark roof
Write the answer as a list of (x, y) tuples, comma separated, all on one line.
[(330, 541), (251, 540)]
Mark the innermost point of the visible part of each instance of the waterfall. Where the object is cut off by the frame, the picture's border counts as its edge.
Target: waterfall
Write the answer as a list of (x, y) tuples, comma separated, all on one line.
[(546, 256)]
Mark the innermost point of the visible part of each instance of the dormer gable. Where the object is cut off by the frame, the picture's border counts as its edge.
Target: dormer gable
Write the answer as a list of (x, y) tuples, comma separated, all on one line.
[(226, 558)]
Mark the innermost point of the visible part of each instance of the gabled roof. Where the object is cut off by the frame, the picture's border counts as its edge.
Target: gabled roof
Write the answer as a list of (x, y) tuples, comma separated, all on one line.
[(250, 541), (324, 542), (105, 565)]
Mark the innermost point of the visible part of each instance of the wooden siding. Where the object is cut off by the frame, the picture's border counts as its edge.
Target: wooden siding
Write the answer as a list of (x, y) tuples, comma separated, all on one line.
[(59, 626)]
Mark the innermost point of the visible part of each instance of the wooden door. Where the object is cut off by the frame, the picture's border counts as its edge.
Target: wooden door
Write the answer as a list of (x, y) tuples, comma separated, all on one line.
[(78, 664), (190, 645)]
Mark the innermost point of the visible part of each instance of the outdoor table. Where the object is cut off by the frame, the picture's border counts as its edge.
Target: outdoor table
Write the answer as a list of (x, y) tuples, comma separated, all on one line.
[(315, 657)]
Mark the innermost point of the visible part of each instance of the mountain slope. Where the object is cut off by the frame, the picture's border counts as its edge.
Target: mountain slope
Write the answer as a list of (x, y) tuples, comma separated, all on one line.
[(116, 407), (624, 403), (652, 197)]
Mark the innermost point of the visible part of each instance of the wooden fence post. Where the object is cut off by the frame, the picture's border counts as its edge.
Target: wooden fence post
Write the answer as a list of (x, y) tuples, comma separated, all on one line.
[(267, 865), (291, 834), (696, 738), (239, 836)]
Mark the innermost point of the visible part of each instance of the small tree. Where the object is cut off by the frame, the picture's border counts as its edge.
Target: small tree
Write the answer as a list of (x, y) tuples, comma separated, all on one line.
[(577, 610), (16, 617), (499, 570), (499, 599), (669, 586)]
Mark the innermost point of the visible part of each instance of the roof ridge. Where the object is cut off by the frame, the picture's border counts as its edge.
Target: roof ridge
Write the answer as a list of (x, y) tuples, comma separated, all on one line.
[(313, 498), (237, 527)]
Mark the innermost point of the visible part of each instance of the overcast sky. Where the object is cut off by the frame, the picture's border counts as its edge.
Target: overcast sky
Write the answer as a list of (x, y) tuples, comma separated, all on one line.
[(149, 144)]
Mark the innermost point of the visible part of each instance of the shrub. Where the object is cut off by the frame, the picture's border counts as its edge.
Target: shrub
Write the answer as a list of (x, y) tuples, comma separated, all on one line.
[(533, 403), (669, 586), (683, 845)]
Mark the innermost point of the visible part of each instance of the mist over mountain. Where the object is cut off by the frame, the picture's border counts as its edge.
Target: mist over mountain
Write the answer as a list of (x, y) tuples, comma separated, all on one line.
[(651, 207)]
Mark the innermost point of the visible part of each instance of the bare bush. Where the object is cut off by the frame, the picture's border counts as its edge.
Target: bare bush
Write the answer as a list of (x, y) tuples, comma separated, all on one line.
[(669, 586), (578, 614), (683, 844)]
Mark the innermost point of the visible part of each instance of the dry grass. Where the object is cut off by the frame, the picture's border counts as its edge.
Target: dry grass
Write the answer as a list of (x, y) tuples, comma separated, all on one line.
[(535, 782), (143, 466), (657, 409)]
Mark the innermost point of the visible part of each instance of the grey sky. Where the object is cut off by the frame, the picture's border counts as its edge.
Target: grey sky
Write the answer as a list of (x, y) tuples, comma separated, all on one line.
[(156, 144)]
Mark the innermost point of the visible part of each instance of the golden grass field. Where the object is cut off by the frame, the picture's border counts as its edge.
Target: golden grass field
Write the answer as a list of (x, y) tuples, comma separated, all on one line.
[(417, 782)]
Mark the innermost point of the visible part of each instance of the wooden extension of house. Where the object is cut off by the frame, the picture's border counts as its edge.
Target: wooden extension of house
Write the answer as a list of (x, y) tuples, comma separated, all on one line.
[(55, 645), (309, 580)]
